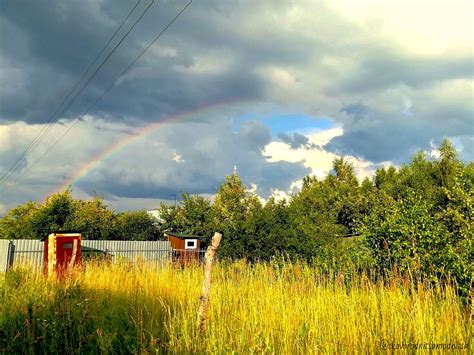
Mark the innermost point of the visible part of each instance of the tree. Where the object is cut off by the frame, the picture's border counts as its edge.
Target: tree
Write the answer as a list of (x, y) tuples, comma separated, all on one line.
[(194, 216), (137, 225), (344, 172), (93, 219), (54, 214), (324, 209), (168, 217), (270, 233), (232, 206), (18, 222), (449, 164), (313, 218), (423, 221)]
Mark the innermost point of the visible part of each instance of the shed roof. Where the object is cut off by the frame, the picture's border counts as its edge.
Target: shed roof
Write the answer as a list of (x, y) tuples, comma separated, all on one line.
[(182, 236), (59, 232)]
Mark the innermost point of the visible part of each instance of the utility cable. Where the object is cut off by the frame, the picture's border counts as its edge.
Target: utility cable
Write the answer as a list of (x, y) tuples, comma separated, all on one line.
[(129, 67), (54, 119)]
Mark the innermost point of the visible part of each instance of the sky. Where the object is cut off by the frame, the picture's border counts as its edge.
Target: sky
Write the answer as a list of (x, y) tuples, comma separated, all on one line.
[(275, 89)]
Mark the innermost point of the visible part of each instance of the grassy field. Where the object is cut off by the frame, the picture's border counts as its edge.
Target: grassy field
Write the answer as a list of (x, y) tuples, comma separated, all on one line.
[(272, 308)]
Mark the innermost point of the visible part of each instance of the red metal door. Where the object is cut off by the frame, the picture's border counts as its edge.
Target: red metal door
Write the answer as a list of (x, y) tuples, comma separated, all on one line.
[(64, 251)]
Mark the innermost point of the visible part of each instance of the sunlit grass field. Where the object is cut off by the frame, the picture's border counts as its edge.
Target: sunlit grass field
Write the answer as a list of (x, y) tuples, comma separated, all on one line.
[(263, 308)]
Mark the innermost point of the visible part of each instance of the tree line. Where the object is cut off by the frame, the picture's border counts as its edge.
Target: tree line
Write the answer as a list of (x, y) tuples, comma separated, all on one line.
[(416, 218)]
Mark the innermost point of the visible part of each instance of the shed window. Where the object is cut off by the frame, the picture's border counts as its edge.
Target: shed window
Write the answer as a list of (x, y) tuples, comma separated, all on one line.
[(190, 244)]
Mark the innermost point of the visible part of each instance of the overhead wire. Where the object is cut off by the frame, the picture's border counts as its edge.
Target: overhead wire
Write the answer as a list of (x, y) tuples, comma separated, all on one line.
[(54, 119), (127, 69), (81, 78), (29, 147)]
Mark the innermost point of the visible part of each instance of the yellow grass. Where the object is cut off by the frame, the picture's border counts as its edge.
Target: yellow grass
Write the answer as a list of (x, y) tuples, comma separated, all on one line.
[(291, 308)]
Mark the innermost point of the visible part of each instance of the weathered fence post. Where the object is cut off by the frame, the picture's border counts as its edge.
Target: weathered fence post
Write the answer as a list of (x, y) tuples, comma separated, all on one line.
[(10, 255), (206, 285)]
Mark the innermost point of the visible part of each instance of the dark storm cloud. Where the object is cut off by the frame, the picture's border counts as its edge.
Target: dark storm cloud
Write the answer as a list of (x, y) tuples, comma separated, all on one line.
[(383, 69), (379, 136), (50, 44), (296, 141), (300, 55), (357, 111), (467, 153), (54, 42), (211, 152)]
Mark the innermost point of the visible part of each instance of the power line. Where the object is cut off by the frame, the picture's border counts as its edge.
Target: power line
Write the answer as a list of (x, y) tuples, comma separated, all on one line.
[(127, 69), (48, 128), (55, 117), (33, 144), (70, 93)]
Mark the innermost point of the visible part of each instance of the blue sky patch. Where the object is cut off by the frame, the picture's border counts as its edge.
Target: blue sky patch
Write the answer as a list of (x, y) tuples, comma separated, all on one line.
[(287, 123)]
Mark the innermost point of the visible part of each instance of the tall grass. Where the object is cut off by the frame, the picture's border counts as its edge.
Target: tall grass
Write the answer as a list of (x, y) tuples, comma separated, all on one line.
[(273, 308)]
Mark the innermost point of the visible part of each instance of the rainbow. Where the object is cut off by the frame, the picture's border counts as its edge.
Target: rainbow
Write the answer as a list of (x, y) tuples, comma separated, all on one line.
[(138, 134)]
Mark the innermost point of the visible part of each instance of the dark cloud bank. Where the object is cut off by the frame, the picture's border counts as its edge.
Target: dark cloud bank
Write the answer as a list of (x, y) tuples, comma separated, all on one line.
[(219, 52)]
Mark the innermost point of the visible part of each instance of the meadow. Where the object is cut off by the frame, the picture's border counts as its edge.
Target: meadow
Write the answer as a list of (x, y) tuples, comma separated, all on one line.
[(277, 307)]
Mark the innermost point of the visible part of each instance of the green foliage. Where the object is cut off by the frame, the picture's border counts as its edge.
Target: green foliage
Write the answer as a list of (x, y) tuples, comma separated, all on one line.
[(94, 219), (326, 209), (54, 214), (136, 225), (18, 223), (232, 211), (268, 232), (192, 216), (417, 217), (421, 219)]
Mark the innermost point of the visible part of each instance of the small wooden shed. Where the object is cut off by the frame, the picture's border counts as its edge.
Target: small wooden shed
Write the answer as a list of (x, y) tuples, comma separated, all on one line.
[(61, 250), (186, 248)]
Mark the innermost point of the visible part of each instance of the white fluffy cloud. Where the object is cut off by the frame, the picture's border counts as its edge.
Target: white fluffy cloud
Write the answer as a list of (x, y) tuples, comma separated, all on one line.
[(315, 157), (422, 26)]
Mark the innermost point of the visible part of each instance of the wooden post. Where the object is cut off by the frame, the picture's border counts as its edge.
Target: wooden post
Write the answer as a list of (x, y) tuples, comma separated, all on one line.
[(51, 254), (10, 255), (206, 285)]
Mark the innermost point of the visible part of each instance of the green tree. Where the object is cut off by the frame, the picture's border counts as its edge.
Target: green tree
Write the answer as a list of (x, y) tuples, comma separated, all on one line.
[(93, 219), (194, 216), (168, 217), (18, 222), (137, 225), (313, 218), (54, 214), (421, 218), (232, 206), (449, 164), (325, 209), (269, 232)]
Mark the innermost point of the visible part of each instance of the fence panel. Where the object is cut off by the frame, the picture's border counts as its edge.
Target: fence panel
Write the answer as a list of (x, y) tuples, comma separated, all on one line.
[(28, 251), (158, 251), (31, 251), (4, 254)]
